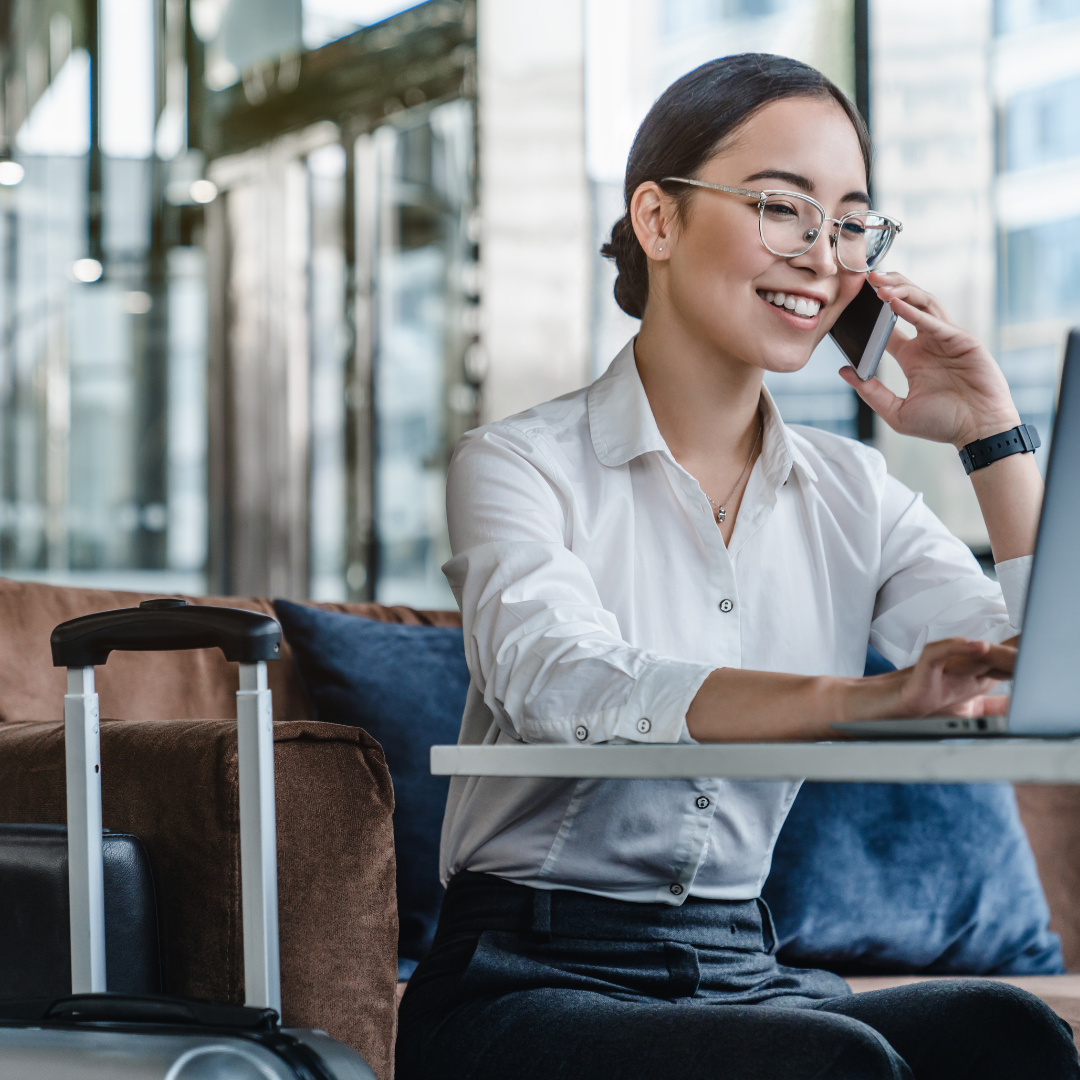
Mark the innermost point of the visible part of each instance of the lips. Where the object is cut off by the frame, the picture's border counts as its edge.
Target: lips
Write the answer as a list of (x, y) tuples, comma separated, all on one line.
[(803, 306)]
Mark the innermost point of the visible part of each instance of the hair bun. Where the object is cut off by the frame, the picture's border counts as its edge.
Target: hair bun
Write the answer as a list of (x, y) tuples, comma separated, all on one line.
[(632, 284)]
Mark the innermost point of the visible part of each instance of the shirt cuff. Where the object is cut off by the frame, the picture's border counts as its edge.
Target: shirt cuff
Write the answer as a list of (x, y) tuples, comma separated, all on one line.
[(656, 711), (1013, 576)]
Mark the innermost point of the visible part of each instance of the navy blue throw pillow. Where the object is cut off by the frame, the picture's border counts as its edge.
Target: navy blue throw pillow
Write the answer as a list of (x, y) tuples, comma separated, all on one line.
[(405, 686), (893, 878)]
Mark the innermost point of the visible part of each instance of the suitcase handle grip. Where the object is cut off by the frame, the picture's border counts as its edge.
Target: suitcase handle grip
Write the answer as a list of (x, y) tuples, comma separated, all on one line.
[(164, 625)]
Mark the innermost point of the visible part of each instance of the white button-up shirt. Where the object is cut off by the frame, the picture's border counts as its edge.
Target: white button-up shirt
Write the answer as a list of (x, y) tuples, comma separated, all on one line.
[(597, 594)]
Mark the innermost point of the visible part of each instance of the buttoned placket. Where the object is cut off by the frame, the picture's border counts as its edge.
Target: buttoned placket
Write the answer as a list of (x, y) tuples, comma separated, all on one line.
[(721, 589), (758, 502)]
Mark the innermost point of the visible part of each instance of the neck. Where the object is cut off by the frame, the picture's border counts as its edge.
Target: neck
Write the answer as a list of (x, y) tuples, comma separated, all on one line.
[(705, 402)]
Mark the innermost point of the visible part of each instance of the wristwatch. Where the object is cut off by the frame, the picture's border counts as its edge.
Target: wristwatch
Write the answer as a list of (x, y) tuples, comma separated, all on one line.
[(982, 452)]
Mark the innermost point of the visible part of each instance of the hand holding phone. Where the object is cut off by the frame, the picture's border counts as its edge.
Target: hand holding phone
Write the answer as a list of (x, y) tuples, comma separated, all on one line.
[(862, 331)]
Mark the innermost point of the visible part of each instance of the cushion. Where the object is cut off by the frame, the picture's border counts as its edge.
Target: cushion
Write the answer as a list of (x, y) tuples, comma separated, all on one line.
[(405, 686), (173, 783), (892, 878), (188, 685)]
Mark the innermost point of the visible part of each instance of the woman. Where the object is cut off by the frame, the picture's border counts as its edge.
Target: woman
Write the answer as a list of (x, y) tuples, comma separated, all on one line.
[(658, 558)]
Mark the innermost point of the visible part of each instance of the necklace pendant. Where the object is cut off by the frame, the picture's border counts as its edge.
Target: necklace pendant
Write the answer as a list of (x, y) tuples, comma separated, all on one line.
[(721, 514)]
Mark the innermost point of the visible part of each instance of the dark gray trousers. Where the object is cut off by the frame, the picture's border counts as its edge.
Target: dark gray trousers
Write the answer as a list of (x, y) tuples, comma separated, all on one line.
[(523, 984)]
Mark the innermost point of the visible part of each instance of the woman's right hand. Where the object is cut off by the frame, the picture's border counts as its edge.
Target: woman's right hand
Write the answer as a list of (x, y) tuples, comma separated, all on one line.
[(953, 677)]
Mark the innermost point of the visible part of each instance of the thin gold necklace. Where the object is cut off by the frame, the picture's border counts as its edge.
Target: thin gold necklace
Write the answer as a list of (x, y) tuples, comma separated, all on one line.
[(721, 512)]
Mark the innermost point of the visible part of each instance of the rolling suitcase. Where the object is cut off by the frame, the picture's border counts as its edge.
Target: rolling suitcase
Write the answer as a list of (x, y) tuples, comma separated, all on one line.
[(35, 942), (97, 1034)]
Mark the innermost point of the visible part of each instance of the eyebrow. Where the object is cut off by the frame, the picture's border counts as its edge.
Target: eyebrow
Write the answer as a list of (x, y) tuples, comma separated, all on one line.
[(804, 184)]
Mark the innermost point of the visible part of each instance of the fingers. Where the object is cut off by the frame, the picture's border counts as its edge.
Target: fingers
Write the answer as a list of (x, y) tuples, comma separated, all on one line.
[(950, 340), (991, 662), (1003, 656), (896, 286), (876, 394), (897, 340), (954, 677), (955, 654), (991, 705), (923, 321), (947, 648)]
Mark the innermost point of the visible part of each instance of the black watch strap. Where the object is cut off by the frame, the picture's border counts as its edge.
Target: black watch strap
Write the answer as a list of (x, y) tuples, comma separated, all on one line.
[(982, 452)]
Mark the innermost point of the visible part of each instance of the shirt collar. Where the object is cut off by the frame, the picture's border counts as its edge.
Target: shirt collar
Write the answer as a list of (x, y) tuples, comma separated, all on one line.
[(623, 427)]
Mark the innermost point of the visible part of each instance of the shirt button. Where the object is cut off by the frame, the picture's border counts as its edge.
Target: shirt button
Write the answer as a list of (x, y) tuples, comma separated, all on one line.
[(702, 802), (675, 890), (581, 733), (726, 606), (644, 725)]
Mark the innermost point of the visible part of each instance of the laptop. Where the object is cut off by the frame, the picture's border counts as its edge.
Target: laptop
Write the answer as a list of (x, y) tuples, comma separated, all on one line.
[(1045, 698)]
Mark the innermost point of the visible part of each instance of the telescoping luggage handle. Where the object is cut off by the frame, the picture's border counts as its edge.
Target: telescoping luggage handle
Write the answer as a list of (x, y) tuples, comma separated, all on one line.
[(158, 626)]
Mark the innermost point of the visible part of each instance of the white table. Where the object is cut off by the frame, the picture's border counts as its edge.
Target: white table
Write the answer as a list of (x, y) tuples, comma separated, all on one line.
[(1051, 761)]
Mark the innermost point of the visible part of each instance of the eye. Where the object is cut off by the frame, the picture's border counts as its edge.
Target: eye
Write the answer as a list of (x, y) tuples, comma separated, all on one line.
[(780, 211), (853, 229)]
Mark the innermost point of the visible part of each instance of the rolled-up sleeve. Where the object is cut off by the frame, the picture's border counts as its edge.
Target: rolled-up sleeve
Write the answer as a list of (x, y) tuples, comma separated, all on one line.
[(932, 587), (548, 658)]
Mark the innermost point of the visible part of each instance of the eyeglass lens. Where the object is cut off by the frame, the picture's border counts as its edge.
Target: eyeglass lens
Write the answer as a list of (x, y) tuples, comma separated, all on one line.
[(789, 227)]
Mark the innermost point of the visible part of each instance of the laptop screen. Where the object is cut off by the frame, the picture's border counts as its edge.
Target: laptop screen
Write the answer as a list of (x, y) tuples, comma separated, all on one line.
[(1046, 699)]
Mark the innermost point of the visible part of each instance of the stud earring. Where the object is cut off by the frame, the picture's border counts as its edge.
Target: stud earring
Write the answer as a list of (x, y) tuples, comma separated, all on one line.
[(660, 249)]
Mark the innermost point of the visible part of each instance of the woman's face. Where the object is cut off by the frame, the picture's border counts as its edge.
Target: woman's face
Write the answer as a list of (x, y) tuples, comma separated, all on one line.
[(719, 273)]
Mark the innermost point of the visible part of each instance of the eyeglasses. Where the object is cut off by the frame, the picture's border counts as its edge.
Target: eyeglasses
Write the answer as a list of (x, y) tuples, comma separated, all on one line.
[(790, 223)]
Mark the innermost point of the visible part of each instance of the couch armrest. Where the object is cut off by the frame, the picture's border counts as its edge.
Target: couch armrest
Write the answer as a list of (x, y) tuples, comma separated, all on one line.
[(173, 783), (1051, 816)]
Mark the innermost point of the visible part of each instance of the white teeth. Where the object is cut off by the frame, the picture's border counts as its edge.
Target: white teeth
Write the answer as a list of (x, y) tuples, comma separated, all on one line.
[(800, 305)]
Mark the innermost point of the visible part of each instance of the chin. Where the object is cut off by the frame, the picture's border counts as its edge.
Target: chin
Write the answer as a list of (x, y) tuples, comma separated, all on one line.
[(783, 359)]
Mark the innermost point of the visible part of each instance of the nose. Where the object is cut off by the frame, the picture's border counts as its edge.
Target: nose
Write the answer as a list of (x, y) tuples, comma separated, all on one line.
[(821, 258)]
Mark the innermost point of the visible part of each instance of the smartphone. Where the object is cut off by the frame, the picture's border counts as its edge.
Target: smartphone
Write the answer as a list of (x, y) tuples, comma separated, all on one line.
[(863, 330)]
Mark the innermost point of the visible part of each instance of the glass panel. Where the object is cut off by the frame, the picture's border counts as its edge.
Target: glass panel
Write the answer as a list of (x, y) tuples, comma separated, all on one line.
[(102, 363), (425, 180), (1037, 81), (329, 352), (328, 20), (1042, 125), (1042, 272), (1013, 15)]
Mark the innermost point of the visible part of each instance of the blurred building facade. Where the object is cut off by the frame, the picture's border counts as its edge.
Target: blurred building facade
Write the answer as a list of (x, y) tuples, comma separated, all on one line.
[(265, 260)]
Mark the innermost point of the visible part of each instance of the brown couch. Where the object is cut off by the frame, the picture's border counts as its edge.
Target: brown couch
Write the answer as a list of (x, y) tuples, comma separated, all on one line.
[(169, 776)]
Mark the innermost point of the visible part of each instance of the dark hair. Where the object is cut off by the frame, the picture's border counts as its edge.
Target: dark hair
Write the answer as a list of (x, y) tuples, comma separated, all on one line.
[(686, 125)]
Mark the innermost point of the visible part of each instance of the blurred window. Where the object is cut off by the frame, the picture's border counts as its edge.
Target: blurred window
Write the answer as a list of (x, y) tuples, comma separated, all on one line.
[(1036, 80), (330, 342), (102, 293), (342, 234), (242, 34), (1042, 125), (422, 404), (327, 20), (1013, 15), (1042, 272)]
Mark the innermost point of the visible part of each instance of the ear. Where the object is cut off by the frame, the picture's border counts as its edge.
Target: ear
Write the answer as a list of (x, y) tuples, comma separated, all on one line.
[(652, 213)]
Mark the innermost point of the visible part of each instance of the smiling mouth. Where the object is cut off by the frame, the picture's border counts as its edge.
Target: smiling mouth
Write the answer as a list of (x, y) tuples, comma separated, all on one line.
[(797, 305)]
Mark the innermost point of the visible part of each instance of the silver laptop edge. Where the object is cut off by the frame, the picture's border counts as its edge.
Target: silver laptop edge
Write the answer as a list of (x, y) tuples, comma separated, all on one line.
[(1044, 697)]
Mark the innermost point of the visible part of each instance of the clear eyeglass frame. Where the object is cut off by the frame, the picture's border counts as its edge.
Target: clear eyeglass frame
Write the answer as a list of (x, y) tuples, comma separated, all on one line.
[(893, 226)]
